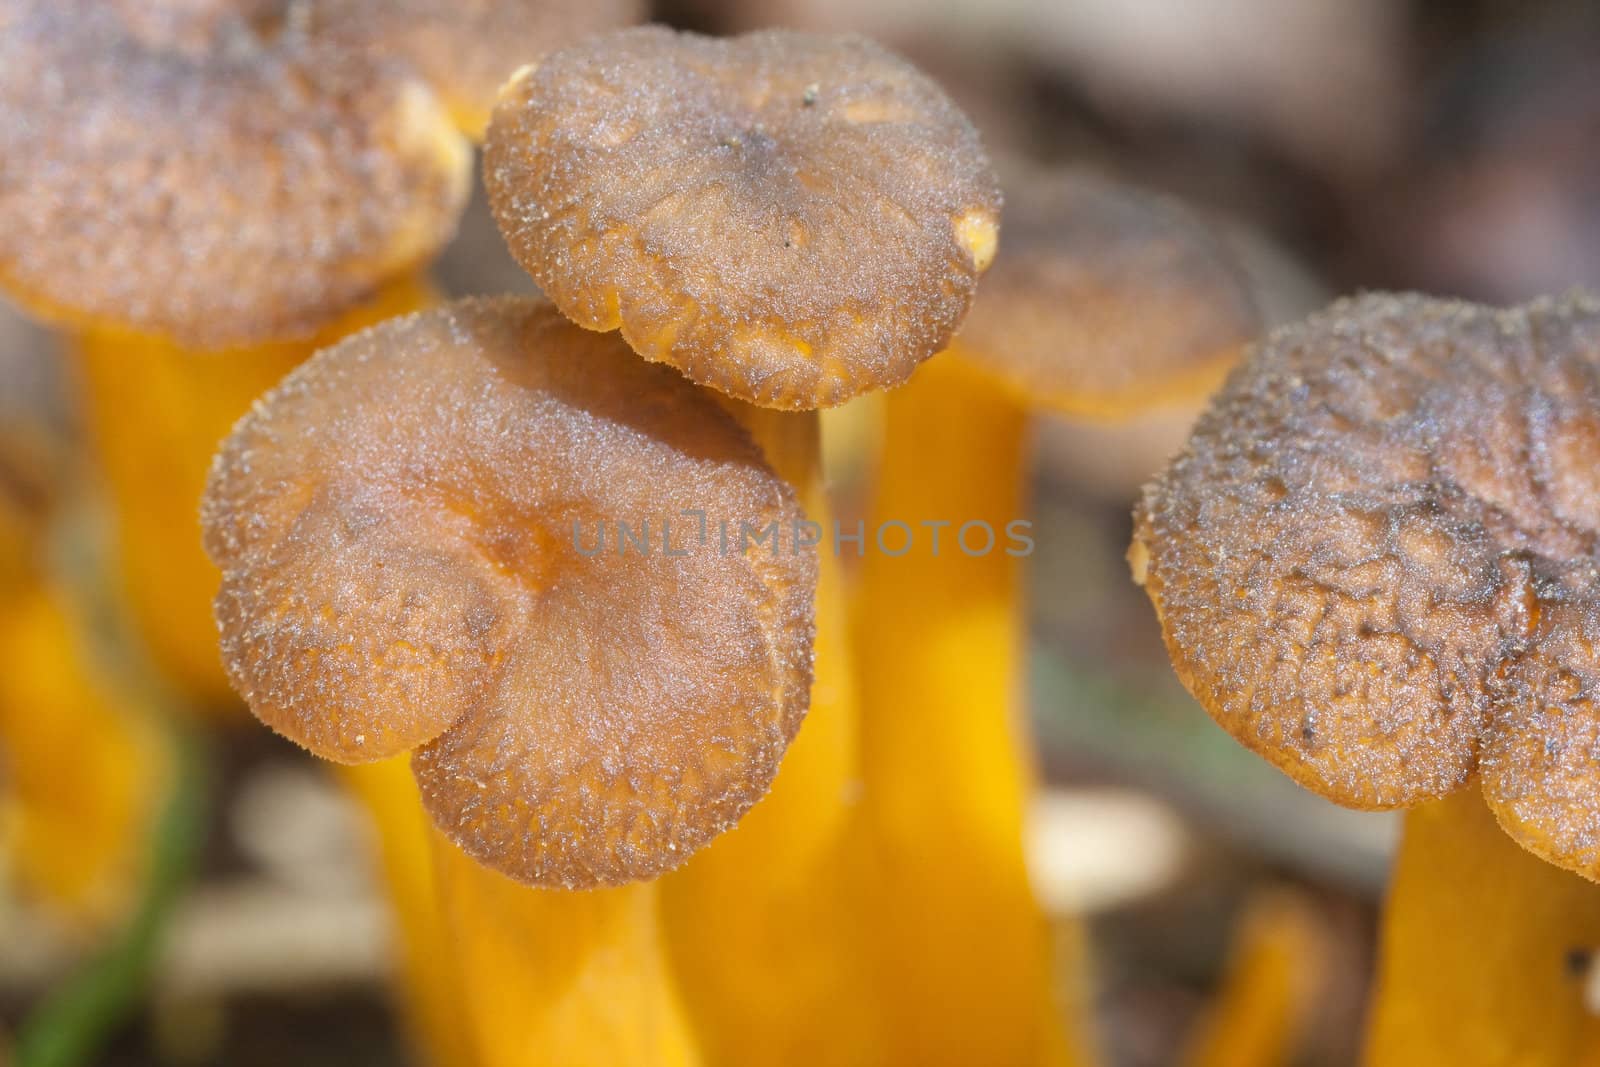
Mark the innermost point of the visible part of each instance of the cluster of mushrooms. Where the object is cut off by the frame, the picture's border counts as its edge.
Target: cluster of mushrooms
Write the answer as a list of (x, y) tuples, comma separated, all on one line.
[(694, 805)]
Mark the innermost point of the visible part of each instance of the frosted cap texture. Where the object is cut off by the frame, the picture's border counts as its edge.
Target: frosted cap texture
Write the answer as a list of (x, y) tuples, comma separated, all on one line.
[(1105, 299), (418, 534), (792, 219), (246, 191), (1375, 562), (466, 49)]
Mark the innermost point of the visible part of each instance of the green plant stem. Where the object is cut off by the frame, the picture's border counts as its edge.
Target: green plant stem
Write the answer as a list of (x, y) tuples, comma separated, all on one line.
[(73, 1023)]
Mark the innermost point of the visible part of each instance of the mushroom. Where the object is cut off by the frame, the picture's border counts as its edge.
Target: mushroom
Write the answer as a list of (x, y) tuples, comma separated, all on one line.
[(1374, 565), (412, 530), (1106, 301), (202, 202), (742, 209), (1101, 299), (466, 49), (248, 193), (791, 220), (408, 532)]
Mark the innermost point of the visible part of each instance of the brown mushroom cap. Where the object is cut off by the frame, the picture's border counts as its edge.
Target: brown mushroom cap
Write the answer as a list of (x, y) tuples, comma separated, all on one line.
[(247, 192), (1375, 563), (789, 218), (403, 528), (193, 25), (1104, 299), (468, 48)]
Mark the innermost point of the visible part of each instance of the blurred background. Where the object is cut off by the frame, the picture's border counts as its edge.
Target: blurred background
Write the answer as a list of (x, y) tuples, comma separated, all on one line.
[(1449, 146)]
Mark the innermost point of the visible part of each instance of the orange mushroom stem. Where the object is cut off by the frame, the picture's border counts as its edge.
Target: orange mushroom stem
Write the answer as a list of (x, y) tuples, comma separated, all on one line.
[(85, 764), (556, 976), (1106, 299), (412, 534), (765, 927), (1484, 949), (945, 754), (1277, 973)]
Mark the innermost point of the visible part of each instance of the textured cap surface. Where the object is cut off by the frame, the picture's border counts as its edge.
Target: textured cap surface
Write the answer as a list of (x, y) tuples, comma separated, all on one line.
[(419, 539), (791, 219), (245, 191), (1375, 563), (1104, 299)]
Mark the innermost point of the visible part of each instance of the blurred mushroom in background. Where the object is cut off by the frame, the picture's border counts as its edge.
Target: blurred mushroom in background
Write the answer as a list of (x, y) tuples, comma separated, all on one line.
[(1262, 66)]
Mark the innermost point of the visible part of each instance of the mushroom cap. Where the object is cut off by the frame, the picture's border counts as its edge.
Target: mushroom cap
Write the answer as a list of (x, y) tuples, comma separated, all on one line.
[(1376, 563), (1105, 299), (403, 528), (244, 192), (468, 48), (194, 25), (789, 218)]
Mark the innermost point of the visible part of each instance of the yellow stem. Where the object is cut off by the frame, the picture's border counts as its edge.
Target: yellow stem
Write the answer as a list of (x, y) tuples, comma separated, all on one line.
[(1478, 949), (945, 753), (84, 769), (1269, 993), (766, 925), (569, 978), (389, 794), (155, 413)]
